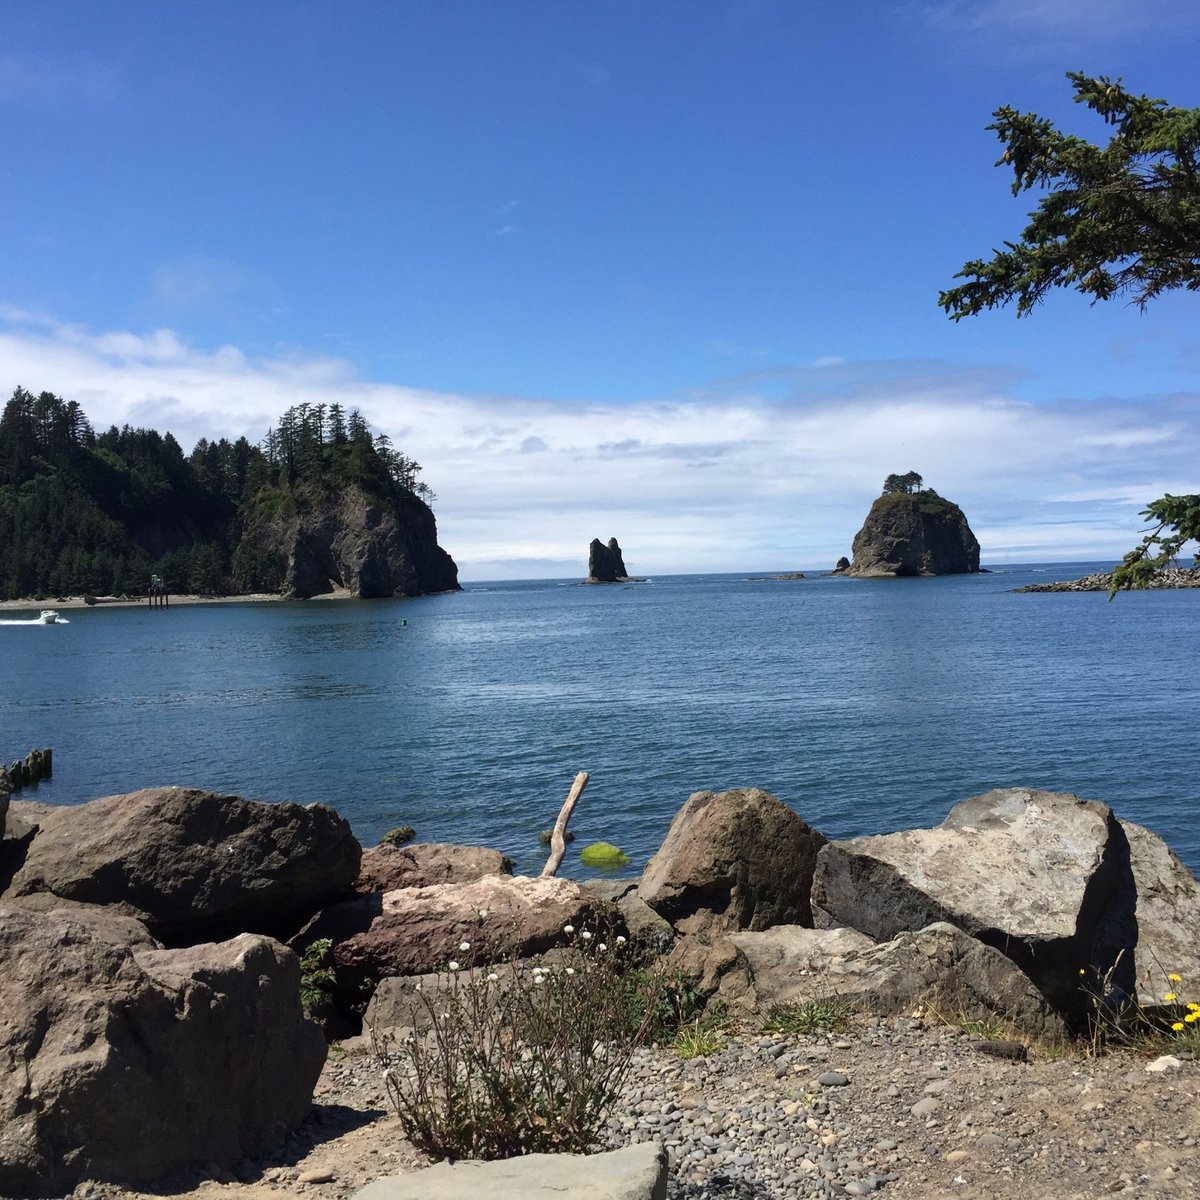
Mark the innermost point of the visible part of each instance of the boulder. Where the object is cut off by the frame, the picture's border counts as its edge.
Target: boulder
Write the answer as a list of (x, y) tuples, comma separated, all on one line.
[(637, 1172), (841, 567), (1168, 919), (939, 967), (386, 868), (733, 860), (418, 930), (123, 1065), (5, 796), (606, 564), (647, 930), (193, 865), (918, 533), (1042, 876)]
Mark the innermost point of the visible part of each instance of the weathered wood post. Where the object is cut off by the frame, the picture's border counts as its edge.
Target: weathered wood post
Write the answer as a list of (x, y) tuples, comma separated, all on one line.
[(558, 840)]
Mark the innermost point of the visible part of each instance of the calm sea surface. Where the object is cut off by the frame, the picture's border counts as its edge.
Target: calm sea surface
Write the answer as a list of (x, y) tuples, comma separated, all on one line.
[(868, 706)]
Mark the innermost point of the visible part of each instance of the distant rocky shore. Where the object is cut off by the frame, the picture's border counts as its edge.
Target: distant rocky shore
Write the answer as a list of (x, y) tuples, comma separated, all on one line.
[(1101, 581), (146, 941)]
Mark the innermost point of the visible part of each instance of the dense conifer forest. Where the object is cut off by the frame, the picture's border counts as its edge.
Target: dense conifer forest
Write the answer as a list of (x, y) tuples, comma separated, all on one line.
[(87, 513)]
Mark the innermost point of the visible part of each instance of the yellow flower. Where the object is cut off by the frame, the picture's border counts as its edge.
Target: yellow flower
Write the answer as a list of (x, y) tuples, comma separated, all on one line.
[(1178, 1027), (1083, 970), (1175, 978), (1193, 1006), (1169, 996), (1192, 1016)]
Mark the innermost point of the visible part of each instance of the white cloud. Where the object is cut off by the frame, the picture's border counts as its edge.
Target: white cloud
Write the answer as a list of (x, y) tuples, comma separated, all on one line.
[(736, 477)]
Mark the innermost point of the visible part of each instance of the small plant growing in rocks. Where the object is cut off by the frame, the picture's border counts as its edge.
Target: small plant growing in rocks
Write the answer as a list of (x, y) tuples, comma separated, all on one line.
[(822, 1015), (521, 1059), (702, 1037), (316, 982), (1173, 1020), (1185, 1027)]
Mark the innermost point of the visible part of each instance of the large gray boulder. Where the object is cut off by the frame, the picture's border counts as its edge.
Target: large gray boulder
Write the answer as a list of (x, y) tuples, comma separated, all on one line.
[(1168, 919), (1043, 877), (193, 865), (938, 967), (123, 1065), (637, 1172), (739, 859), (413, 931)]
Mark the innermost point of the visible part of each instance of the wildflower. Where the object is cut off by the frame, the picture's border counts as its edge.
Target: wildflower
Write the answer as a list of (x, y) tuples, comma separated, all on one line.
[(570, 970), (1169, 996), (464, 946), (452, 965), (1175, 978), (492, 977), (1192, 1016), (1178, 1027), (587, 937), (1193, 1006), (483, 912), (1083, 970), (539, 979), (620, 939), (568, 929), (601, 947)]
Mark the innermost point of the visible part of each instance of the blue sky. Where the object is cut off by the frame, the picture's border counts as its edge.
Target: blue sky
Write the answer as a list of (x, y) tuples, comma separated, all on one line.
[(665, 271)]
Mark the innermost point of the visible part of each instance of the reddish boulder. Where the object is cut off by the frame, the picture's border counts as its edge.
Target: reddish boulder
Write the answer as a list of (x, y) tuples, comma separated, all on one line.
[(386, 868), (417, 930)]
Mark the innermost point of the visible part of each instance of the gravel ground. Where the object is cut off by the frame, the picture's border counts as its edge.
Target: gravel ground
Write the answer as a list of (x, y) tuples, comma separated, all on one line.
[(893, 1107)]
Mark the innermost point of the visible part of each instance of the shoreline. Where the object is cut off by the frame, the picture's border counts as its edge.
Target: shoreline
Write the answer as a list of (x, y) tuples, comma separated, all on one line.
[(76, 602)]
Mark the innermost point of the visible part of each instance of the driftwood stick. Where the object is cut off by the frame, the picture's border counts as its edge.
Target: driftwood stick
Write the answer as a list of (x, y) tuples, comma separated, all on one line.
[(558, 839)]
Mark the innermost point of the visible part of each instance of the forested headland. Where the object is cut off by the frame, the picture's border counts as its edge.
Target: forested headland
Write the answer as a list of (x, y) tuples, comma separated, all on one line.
[(93, 513)]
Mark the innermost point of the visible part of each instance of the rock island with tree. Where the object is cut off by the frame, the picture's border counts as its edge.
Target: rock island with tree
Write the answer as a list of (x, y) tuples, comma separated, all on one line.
[(911, 530)]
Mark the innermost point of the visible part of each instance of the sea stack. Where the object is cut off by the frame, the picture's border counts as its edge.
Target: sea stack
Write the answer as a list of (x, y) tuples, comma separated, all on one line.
[(605, 564), (911, 530)]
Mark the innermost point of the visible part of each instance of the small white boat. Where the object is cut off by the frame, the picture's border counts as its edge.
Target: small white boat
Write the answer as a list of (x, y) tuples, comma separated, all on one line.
[(48, 617)]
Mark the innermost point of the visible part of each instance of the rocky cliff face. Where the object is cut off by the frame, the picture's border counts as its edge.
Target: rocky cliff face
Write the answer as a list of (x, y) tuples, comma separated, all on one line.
[(914, 534), (606, 564), (351, 542)]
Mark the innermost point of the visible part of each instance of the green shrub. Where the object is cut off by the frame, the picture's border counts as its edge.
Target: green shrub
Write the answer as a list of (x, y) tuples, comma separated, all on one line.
[(400, 836), (822, 1015), (316, 982), (519, 1060)]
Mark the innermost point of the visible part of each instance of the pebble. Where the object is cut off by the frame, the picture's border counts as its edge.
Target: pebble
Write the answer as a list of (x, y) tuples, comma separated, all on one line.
[(832, 1079), (316, 1175)]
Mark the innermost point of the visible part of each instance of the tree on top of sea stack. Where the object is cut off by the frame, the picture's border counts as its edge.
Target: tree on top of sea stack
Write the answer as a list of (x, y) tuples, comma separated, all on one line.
[(1120, 219), (911, 530)]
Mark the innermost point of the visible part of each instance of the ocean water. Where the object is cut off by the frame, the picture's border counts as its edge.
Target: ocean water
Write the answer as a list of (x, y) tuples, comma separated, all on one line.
[(867, 706)]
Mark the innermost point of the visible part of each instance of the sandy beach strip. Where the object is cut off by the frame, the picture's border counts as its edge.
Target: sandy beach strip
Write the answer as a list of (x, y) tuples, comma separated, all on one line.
[(62, 604)]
